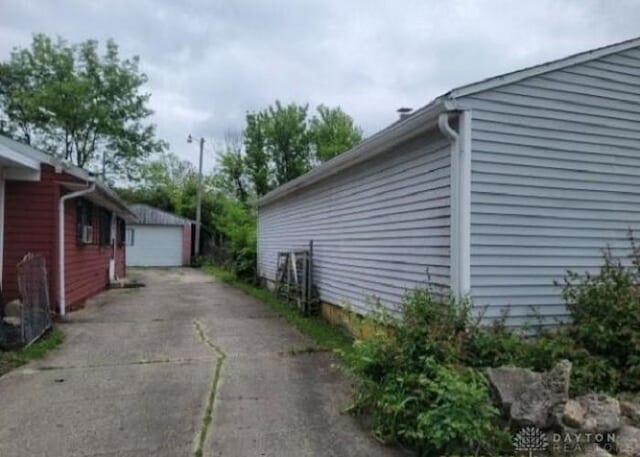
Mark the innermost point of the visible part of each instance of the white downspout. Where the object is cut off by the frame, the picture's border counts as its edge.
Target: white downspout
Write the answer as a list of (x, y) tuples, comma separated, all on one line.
[(464, 206), (113, 229), (2, 199), (460, 222), (63, 199)]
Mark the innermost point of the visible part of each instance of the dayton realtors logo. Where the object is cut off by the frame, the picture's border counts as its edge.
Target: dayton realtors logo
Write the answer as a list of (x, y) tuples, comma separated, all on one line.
[(530, 440)]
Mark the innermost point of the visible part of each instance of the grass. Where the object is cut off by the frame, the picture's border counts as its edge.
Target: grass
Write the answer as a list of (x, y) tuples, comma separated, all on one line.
[(208, 415), (13, 359), (324, 334)]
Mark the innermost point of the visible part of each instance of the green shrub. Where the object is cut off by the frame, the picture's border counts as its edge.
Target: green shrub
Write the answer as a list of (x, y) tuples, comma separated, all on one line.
[(237, 224), (605, 309), (602, 340), (456, 414), (589, 372), (418, 383), (494, 345), (414, 389)]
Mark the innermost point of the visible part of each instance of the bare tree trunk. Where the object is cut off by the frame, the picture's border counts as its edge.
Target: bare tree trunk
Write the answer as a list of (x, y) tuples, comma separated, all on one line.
[(67, 146)]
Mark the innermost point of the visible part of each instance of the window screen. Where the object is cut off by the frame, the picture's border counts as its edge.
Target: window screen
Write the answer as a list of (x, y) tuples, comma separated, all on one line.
[(84, 217)]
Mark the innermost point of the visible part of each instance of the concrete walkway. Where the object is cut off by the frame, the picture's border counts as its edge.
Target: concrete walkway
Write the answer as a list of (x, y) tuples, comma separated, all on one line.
[(186, 366)]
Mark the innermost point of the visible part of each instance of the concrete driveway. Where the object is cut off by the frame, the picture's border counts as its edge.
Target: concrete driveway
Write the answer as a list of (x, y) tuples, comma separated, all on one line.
[(185, 366)]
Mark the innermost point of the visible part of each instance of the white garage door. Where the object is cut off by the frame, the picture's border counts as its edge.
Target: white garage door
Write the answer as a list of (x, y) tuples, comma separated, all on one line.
[(154, 246)]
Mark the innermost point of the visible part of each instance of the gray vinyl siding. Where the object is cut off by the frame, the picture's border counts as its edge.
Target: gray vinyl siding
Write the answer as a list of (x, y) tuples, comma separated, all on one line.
[(555, 179), (377, 227)]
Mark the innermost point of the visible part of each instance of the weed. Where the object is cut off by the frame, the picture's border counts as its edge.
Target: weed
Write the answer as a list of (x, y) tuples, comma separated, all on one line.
[(418, 378), (413, 386), (320, 331), (13, 359), (605, 308)]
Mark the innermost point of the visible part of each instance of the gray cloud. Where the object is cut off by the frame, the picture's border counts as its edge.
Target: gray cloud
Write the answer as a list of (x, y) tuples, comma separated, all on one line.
[(209, 62)]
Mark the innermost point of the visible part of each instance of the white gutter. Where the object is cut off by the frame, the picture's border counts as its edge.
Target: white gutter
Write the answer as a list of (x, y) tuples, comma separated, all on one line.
[(18, 159), (63, 199), (460, 221)]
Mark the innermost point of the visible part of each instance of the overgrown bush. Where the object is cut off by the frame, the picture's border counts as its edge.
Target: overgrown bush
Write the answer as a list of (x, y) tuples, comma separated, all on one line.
[(419, 380), (606, 317), (414, 388), (237, 223), (493, 345)]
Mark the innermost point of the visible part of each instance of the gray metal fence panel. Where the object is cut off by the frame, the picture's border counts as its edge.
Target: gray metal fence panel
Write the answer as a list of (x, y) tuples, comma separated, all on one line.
[(34, 292)]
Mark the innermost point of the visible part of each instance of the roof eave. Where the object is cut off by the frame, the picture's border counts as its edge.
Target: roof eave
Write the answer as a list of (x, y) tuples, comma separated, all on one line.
[(519, 75), (419, 122), (103, 196), (34, 157), (117, 203), (122, 209)]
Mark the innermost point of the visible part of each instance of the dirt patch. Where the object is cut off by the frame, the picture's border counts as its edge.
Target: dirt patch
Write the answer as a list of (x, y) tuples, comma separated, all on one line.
[(10, 338), (10, 342), (17, 355)]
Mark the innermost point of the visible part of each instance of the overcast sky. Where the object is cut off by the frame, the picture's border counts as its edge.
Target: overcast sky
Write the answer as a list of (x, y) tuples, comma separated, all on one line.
[(210, 61)]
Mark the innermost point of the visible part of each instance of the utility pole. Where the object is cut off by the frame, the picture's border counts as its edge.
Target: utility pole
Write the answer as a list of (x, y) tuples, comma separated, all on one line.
[(199, 197), (104, 165)]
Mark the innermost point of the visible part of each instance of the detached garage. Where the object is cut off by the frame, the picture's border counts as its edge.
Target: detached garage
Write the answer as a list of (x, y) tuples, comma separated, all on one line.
[(493, 191), (159, 239)]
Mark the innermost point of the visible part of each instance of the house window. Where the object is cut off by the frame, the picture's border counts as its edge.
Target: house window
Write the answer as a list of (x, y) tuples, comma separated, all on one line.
[(120, 228), (84, 227), (121, 231), (130, 236), (105, 227)]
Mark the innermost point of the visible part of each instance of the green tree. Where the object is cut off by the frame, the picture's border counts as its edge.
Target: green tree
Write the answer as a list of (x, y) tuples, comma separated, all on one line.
[(282, 143), (332, 132), (287, 141), (162, 183), (171, 184), (75, 103), (256, 158), (236, 222), (276, 145), (233, 168)]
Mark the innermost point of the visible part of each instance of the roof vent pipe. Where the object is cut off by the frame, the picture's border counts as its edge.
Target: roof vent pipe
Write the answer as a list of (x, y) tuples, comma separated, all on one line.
[(404, 112)]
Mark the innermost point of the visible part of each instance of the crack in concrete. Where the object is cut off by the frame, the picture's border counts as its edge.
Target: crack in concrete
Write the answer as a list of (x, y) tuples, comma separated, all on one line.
[(119, 364), (296, 351), (208, 415)]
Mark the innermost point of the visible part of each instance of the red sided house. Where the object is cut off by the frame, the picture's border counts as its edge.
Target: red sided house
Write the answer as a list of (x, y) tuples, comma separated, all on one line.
[(62, 212)]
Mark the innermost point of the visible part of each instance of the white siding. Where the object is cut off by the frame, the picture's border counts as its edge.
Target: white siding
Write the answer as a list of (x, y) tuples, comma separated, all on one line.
[(555, 178), (155, 246), (377, 228)]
